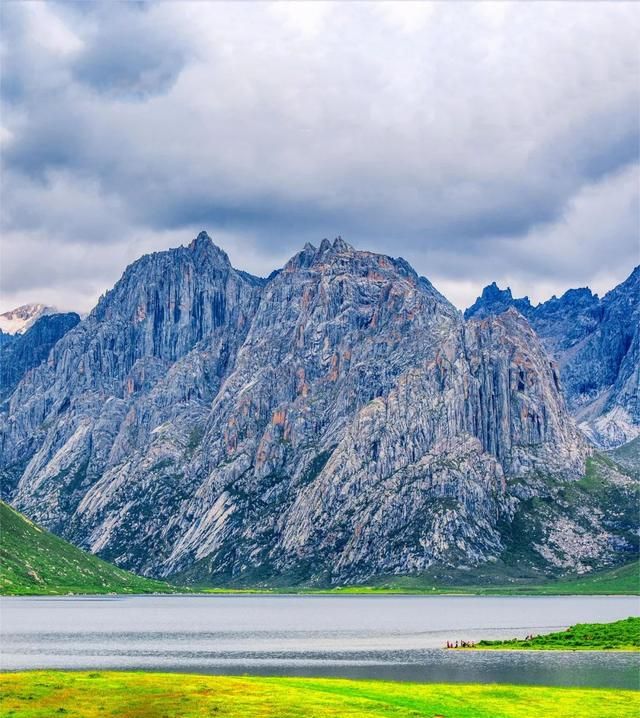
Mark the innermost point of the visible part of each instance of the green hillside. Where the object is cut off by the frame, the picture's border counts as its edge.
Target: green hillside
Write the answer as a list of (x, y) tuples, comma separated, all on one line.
[(621, 580), (621, 635), (495, 580), (35, 562), (628, 455)]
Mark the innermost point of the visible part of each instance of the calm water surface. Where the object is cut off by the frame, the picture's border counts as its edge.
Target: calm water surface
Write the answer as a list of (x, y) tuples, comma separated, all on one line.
[(393, 637)]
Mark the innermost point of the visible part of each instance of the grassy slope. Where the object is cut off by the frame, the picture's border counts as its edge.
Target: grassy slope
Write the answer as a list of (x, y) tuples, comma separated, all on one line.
[(628, 455), (155, 695), (622, 580), (35, 562), (620, 635)]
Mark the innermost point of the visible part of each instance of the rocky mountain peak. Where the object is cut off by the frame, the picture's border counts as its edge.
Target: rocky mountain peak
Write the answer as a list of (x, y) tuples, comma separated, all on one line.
[(493, 291), (204, 249), (630, 289), (494, 300), (581, 298), (326, 254), (583, 293), (338, 246)]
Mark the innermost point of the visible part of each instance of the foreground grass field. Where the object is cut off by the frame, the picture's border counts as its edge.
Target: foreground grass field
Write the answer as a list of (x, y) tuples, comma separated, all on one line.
[(620, 635), (44, 694)]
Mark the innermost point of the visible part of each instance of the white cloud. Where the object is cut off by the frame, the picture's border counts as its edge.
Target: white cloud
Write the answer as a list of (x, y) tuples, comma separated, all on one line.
[(480, 141), (305, 17), (410, 17), (49, 31)]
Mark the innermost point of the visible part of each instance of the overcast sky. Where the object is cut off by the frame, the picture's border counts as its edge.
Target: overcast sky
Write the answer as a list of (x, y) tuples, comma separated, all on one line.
[(479, 141)]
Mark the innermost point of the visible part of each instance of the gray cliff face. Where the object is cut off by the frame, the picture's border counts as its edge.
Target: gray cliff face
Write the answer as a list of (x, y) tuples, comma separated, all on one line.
[(596, 344), (21, 352), (88, 405), (333, 422)]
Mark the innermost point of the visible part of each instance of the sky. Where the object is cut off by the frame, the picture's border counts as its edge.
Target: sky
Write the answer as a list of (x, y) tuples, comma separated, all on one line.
[(481, 142)]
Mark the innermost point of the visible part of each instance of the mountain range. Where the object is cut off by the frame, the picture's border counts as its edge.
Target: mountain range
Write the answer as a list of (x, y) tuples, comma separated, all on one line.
[(337, 420), (596, 343)]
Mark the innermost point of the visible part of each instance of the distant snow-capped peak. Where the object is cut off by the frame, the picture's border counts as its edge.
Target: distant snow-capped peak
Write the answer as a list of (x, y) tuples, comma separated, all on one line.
[(17, 321)]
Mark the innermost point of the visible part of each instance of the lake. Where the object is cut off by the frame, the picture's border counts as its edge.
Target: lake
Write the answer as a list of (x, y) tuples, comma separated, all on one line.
[(391, 637)]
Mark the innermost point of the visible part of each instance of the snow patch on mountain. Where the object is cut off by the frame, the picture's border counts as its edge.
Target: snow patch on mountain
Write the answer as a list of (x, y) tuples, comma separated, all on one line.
[(18, 320)]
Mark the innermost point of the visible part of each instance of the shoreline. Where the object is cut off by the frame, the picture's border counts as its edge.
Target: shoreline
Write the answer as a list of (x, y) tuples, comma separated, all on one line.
[(320, 592)]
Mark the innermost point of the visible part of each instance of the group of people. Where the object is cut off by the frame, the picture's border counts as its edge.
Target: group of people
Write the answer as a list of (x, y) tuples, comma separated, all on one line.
[(471, 644)]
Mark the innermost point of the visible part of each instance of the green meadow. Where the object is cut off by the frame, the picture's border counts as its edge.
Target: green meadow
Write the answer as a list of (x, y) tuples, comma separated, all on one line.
[(621, 635), (44, 694), (621, 580)]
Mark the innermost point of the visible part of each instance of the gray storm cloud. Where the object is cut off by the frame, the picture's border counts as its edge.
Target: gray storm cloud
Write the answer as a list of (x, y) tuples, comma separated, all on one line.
[(480, 141)]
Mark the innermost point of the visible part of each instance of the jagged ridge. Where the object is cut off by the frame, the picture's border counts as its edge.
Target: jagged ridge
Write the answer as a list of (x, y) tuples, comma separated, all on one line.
[(597, 345)]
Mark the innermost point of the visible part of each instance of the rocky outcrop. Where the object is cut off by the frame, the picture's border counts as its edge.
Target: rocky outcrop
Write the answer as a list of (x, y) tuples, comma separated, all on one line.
[(596, 343), (335, 421), (494, 300)]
